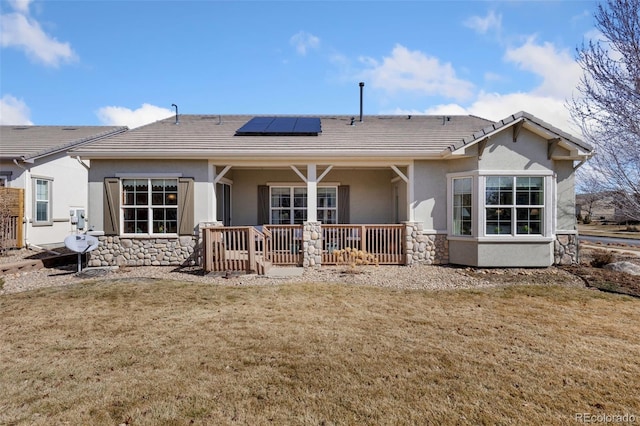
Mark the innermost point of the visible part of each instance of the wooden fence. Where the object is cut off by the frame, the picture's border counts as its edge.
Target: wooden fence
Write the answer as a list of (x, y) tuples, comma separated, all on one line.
[(11, 214)]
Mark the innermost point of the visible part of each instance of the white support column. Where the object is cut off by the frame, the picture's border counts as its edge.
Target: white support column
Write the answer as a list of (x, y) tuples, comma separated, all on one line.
[(410, 193), (312, 193)]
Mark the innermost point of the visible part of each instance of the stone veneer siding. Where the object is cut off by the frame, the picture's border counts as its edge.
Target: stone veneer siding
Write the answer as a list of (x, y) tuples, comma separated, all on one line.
[(115, 251), (566, 249), (423, 247), (312, 244)]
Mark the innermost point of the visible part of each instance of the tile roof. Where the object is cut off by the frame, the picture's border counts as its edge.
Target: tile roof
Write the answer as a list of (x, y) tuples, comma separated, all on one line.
[(30, 142), (208, 136), (377, 136)]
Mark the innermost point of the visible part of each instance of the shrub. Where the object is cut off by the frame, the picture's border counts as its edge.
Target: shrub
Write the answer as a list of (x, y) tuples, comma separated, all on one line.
[(631, 228), (587, 219), (601, 258), (354, 258)]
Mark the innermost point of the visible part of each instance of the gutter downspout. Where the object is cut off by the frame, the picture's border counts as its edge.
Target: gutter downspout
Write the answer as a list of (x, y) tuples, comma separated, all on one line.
[(81, 162), (27, 182)]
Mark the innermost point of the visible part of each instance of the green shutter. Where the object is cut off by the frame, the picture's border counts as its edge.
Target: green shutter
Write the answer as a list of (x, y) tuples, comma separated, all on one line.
[(111, 206), (185, 206)]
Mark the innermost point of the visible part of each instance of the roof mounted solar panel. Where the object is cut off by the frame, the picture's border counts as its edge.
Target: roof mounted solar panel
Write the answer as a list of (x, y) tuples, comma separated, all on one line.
[(281, 126)]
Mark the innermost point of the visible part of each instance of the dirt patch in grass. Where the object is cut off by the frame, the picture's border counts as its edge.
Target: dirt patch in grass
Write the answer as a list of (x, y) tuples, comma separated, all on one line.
[(164, 352)]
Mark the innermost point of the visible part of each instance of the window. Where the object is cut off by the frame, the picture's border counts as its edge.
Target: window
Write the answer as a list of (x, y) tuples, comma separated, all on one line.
[(150, 206), (289, 205), (462, 210), (514, 205), (42, 201), (327, 205)]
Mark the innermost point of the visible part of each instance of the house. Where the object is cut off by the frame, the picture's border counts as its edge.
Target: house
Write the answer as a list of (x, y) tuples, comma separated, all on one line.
[(466, 190), (35, 159)]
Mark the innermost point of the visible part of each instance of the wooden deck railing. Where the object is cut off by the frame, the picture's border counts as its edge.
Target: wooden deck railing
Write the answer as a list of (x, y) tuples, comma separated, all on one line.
[(245, 248), (385, 242), (285, 244), (235, 249)]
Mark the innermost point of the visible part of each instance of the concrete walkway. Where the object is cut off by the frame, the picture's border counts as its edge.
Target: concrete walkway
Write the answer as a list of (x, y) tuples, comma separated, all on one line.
[(284, 271)]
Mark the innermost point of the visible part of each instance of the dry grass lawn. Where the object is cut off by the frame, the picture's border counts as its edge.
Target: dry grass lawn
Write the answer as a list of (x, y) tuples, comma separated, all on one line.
[(153, 353)]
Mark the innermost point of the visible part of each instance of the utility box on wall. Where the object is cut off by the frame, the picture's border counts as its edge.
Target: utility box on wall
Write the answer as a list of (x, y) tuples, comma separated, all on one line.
[(78, 218)]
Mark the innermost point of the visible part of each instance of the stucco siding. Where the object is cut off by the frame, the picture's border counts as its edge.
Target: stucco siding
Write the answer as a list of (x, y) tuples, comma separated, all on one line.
[(430, 190), (528, 153), (501, 254), (198, 170), (68, 190), (566, 197), (370, 193), (463, 252)]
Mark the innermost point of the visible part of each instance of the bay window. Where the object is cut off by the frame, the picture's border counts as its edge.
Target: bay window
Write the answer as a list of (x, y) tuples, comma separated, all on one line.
[(506, 205), (462, 208), (514, 205)]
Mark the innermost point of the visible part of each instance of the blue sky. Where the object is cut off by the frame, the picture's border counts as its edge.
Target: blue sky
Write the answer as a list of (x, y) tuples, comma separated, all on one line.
[(125, 62)]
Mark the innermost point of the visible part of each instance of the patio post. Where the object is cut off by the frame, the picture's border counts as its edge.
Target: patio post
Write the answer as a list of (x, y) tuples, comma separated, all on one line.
[(312, 193)]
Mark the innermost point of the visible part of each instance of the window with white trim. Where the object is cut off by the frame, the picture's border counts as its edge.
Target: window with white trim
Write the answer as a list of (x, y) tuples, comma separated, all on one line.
[(42, 201), (462, 208), (150, 206), (514, 205), (288, 205)]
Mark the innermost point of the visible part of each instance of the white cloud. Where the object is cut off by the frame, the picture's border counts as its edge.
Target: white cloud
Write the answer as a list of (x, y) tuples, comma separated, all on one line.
[(14, 111), (304, 41), (121, 116), (496, 106), (21, 6), (413, 71), (559, 75), (559, 71), (23, 32), (483, 25)]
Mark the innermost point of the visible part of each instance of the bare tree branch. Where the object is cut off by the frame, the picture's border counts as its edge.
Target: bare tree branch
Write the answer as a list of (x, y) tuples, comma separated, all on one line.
[(608, 112)]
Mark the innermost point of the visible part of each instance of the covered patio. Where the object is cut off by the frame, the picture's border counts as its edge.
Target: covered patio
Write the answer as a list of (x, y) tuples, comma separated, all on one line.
[(309, 215)]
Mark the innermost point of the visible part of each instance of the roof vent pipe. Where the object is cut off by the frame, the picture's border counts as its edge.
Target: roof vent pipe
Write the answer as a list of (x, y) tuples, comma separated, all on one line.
[(176, 107), (361, 88)]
